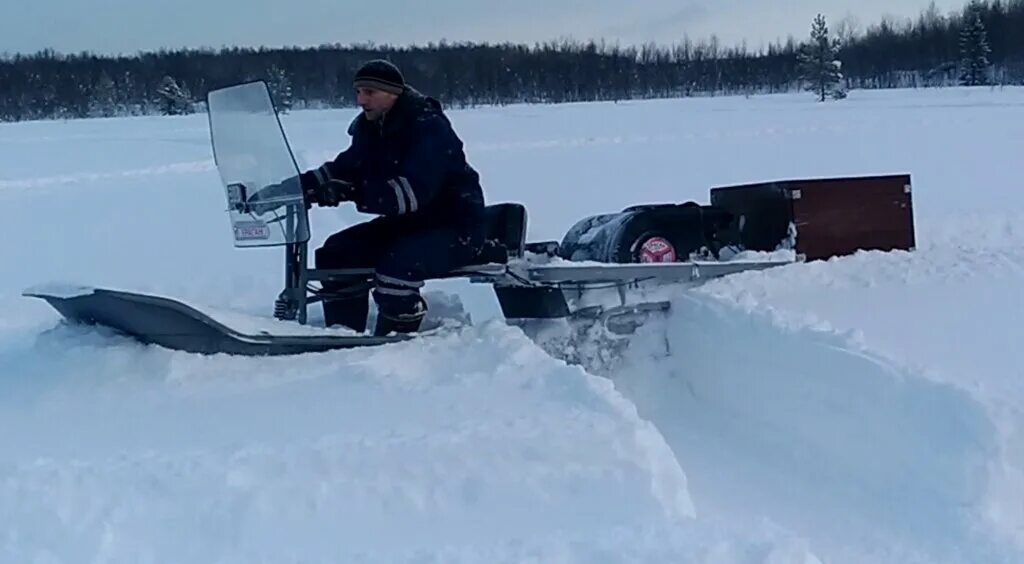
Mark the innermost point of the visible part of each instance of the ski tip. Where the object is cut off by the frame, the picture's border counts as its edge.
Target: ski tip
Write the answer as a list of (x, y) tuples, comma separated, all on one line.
[(58, 290)]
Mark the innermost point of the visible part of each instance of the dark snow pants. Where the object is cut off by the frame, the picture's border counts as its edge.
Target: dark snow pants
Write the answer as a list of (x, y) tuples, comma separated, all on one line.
[(402, 255)]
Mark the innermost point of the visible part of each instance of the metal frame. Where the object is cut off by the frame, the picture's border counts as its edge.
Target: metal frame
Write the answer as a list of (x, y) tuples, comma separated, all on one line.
[(520, 273)]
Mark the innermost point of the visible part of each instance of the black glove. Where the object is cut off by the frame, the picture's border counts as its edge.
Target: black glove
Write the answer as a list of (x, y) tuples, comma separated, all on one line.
[(336, 192), (330, 194)]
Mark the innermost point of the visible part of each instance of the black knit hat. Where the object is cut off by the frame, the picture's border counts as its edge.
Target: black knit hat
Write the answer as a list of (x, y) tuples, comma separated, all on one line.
[(382, 75)]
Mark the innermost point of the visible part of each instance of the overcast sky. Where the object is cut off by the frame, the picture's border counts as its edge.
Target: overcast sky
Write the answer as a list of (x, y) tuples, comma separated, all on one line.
[(128, 26)]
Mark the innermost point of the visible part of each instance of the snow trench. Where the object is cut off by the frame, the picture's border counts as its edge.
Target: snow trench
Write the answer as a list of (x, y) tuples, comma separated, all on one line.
[(868, 461), (717, 435)]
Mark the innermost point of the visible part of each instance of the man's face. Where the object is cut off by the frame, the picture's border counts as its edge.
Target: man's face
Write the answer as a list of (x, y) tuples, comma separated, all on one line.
[(374, 102)]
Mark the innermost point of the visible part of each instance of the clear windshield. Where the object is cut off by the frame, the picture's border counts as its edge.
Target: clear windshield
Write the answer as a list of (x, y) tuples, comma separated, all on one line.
[(256, 166)]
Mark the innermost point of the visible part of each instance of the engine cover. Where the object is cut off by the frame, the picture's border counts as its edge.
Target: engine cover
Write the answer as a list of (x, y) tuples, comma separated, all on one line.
[(650, 233)]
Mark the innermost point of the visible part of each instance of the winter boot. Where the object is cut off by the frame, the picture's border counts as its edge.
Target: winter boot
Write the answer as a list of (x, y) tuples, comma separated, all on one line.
[(399, 315)]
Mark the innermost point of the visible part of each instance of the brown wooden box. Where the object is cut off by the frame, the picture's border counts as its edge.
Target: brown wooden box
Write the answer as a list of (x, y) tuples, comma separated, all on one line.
[(832, 216)]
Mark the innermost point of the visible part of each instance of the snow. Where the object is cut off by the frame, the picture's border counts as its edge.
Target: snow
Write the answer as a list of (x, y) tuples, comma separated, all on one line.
[(821, 435), (124, 451), (868, 408)]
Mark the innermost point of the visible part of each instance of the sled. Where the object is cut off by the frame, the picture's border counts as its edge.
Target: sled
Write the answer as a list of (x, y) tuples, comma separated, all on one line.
[(596, 273)]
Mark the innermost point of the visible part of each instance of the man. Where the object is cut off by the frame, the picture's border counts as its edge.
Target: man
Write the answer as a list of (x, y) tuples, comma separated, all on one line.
[(407, 166)]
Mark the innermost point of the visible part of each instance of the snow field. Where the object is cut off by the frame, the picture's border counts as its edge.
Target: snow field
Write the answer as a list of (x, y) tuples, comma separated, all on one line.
[(865, 409)]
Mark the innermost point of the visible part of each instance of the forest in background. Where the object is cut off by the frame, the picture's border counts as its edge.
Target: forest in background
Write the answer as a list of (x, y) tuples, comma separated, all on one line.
[(978, 45)]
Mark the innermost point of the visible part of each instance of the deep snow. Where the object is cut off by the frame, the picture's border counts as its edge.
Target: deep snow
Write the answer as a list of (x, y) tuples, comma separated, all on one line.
[(864, 409)]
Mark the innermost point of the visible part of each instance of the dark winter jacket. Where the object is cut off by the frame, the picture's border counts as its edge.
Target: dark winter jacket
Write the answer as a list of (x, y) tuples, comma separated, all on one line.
[(409, 163)]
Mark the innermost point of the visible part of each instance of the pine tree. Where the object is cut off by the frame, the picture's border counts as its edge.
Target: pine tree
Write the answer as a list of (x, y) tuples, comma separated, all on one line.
[(173, 98), (280, 86), (818, 63), (103, 102), (974, 49)]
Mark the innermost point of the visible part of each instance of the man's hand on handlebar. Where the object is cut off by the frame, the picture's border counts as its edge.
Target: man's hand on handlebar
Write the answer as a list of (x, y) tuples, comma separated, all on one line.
[(332, 193)]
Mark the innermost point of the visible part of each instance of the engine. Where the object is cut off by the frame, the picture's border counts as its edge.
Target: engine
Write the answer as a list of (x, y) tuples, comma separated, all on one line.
[(651, 233)]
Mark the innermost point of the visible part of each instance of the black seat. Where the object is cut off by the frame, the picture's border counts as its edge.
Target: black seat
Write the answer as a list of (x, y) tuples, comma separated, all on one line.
[(504, 233)]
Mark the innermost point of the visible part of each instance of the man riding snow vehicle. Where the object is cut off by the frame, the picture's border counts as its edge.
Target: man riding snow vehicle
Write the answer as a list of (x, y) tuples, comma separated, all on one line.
[(407, 166)]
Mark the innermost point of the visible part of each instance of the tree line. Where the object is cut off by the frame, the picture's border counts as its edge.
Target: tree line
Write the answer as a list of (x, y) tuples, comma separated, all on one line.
[(980, 44)]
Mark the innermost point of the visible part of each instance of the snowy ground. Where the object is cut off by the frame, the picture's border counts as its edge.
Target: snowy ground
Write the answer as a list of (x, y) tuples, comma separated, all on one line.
[(864, 409)]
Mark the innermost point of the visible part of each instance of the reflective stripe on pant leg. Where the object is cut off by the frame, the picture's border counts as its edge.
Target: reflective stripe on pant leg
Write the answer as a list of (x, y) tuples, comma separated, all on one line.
[(389, 291), (399, 299), (394, 282), (345, 288)]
